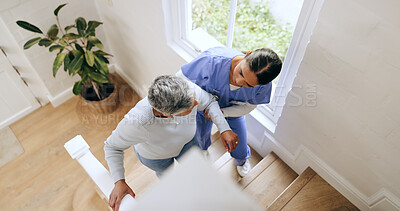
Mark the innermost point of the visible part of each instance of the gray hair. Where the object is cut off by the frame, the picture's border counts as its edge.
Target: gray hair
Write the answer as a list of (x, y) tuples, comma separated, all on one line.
[(170, 95)]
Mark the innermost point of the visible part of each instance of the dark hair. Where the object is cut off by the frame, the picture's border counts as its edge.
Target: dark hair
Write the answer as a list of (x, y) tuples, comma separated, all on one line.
[(265, 63)]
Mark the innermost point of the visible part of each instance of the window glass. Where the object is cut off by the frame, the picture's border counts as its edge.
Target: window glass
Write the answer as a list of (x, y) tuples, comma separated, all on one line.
[(266, 24), (258, 23), (261, 23), (211, 16)]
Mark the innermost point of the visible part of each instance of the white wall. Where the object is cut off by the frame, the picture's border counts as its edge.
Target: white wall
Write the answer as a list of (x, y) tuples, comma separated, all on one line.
[(136, 31), (354, 127), (37, 69)]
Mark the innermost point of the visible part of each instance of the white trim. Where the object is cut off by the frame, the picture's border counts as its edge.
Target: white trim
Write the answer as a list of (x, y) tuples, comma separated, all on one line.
[(17, 58), (17, 116), (231, 24), (384, 195), (175, 27), (67, 94), (141, 92), (304, 157), (264, 118), (297, 48), (61, 98), (202, 40)]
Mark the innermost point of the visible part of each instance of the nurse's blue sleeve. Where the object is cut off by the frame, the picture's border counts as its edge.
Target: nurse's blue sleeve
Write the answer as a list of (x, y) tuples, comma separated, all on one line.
[(262, 95), (197, 70)]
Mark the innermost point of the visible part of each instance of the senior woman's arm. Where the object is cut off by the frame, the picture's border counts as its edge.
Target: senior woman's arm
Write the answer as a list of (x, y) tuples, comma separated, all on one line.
[(126, 134), (208, 102)]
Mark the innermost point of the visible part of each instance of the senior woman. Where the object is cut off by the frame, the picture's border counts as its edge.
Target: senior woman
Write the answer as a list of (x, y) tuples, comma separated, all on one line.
[(161, 127)]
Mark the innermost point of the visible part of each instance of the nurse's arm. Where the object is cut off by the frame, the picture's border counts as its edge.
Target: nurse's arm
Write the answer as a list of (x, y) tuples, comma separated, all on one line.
[(207, 101), (240, 109)]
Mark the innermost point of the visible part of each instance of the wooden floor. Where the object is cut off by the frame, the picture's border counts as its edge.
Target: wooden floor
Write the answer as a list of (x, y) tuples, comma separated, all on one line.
[(45, 177)]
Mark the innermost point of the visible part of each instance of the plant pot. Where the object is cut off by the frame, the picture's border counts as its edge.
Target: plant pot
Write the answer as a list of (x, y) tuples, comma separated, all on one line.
[(106, 105)]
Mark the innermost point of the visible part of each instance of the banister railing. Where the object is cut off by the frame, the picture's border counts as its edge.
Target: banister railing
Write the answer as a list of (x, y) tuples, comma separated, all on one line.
[(78, 149)]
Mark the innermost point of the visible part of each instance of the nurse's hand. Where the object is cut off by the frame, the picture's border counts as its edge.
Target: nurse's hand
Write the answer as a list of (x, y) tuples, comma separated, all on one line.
[(230, 140), (120, 190)]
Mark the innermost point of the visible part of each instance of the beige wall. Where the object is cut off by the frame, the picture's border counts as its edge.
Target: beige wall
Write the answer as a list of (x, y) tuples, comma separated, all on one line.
[(39, 61), (353, 62), (136, 32)]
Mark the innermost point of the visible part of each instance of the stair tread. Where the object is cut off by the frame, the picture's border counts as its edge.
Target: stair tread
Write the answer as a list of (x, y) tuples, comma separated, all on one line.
[(270, 183), (292, 189), (222, 160), (216, 150), (229, 168), (258, 169), (139, 177), (317, 194)]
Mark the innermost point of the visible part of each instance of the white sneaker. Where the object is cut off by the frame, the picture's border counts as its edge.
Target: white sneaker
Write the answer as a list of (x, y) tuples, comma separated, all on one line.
[(245, 169), (205, 154)]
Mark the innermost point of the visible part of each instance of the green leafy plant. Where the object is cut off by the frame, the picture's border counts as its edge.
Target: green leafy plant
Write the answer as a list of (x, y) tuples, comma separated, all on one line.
[(80, 51)]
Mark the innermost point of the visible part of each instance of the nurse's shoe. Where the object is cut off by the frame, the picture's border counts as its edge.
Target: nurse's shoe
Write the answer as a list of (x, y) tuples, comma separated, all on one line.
[(205, 155), (245, 169)]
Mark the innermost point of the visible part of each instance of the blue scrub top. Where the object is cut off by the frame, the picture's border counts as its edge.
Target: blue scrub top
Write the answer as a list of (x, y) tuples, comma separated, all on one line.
[(210, 71)]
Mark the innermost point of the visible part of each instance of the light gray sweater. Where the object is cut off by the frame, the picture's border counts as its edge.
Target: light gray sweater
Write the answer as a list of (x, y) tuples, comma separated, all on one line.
[(154, 137)]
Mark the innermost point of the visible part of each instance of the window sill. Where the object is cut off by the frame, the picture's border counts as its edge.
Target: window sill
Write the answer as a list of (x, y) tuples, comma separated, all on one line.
[(263, 119), (201, 40), (197, 42), (184, 54)]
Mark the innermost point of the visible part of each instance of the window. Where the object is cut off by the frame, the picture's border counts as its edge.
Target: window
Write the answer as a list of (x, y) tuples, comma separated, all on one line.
[(193, 26)]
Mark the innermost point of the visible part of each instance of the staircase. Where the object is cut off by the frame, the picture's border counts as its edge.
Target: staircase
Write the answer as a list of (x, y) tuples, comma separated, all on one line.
[(271, 182), (275, 186)]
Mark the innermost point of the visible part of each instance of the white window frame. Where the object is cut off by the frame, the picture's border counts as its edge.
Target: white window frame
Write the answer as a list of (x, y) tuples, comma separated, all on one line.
[(190, 44)]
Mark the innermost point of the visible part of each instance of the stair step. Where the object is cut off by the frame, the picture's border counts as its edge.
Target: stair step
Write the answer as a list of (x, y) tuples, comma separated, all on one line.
[(222, 160), (216, 150), (226, 164), (292, 190), (270, 183), (225, 158), (317, 194), (258, 169)]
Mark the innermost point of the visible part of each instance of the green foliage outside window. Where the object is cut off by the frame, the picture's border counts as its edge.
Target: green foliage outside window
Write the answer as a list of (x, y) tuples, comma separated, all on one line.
[(255, 27)]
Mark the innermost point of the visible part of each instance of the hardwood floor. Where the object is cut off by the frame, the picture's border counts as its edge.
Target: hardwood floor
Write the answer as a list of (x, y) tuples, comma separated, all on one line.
[(45, 177)]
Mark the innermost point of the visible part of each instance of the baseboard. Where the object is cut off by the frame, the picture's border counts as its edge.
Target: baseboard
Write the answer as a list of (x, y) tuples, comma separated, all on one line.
[(138, 90), (61, 98), (304, 157), (67, 94)]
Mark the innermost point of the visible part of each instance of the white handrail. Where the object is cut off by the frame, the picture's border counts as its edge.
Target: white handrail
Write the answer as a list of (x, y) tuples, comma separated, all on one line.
[(78, 149)]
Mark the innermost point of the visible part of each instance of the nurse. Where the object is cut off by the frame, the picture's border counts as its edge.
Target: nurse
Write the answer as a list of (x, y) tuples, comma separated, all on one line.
[(239, 82)]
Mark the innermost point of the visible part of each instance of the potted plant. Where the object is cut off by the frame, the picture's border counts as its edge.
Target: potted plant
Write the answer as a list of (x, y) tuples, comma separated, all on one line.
[(82, 53)]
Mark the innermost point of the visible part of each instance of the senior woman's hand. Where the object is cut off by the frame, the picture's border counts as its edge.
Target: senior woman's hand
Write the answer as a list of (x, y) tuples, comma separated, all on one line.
[(120, 190), (230, 140)]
